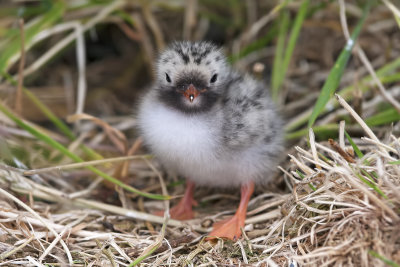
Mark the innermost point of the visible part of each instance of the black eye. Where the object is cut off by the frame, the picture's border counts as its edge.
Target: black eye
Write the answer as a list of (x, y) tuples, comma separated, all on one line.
[(214, 78), (167, 77)]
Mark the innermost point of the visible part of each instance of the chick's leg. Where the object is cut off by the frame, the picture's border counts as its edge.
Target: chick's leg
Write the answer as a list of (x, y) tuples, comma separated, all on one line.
[(230, 228), (183, 210)]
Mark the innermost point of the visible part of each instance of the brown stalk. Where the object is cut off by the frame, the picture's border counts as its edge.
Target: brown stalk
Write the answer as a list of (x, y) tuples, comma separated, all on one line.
[(146, 44), (153, 25), (130, 33), (338, 149), (190, 19)]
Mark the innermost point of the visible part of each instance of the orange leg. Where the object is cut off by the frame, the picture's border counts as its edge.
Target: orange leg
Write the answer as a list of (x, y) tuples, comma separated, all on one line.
[(183, 210), (230, 228)]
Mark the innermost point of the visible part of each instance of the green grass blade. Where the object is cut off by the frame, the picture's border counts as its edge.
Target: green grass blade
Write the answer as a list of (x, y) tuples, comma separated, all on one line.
[(374, 186), (49, 114), (394, 10), (142, 258), (300, 174), (336, 72), (256, 45), (384, 74), (360, 155), (273, 30), (313, 188), (397, 162), (385, 260), (14, 44), (153, 247), (294, 34), (309, 184), (53, 118), (384, 117), (322, 131), (45, 138), (354, 146), (371, 185), (279, 48), (44, 109)]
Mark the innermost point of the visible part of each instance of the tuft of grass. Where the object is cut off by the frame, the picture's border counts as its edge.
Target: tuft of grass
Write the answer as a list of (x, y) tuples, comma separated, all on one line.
[(283, 56), (385, 74), (277, 67), (56, 145), (13, 45), (333, 80), (44, 109)]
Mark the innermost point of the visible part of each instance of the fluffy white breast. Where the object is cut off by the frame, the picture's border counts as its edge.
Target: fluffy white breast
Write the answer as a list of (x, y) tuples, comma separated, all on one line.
[(180, 141)]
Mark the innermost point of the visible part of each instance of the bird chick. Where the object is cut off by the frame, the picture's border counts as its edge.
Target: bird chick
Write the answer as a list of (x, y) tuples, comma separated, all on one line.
[(212, 125)]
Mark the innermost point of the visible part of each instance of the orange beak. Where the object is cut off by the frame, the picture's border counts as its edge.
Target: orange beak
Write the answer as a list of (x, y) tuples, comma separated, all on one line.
[(191, 92)]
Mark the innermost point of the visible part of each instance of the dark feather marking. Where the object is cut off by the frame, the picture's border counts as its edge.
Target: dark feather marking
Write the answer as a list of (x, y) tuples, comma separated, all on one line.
[(234, 81), (184, 56), (267, 138), (204, 54), (245, 107), (197, 60), (239, 126), (259, 92), (225, 100), (271, 154)]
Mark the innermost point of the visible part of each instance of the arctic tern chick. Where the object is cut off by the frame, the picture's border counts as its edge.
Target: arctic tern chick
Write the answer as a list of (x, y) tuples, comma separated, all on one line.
[(212, 125)]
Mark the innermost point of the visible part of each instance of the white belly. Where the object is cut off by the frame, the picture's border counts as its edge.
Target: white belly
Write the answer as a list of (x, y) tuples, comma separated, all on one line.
[(189, 146)]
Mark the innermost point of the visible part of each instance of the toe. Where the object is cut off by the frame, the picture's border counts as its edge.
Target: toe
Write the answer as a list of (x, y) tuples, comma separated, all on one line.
[(229, 229)]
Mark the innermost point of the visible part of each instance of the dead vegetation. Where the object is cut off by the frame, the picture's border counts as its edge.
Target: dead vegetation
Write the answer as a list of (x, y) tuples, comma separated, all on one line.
[(339, 213)]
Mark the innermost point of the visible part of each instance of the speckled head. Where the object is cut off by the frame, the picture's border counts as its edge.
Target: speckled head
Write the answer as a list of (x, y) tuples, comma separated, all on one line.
[(191, 76)]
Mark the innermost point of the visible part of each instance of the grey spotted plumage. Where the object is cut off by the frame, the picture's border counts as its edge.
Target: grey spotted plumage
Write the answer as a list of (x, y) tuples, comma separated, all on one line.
[(207, 122)]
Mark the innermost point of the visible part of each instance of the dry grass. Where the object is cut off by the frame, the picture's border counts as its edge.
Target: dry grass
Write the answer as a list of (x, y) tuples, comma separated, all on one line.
[(339, 220)]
